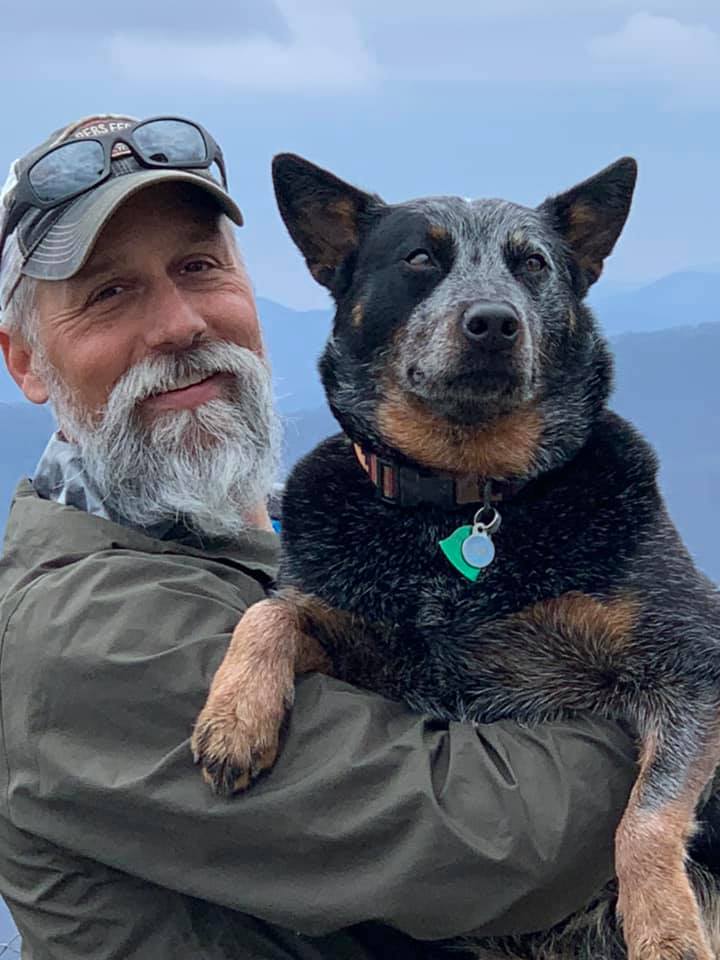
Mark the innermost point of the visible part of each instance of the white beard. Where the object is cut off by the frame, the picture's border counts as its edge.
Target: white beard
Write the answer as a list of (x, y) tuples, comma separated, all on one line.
[(208, 467)]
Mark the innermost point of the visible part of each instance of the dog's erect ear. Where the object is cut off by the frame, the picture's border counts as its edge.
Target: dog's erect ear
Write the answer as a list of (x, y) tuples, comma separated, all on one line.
[(591, 215), (324, 215)]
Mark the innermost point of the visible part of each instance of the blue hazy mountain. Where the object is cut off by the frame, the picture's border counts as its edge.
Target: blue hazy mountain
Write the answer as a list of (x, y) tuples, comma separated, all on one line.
[(9, 393), (677, 300), (24, 431), (295, 339), (7, 930)]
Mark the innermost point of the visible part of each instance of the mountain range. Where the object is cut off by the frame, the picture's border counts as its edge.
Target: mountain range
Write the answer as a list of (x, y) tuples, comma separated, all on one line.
[(679, 299)]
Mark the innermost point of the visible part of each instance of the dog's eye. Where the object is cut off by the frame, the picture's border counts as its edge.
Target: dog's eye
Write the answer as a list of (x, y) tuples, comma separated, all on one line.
[(419, 258), (535, 263)]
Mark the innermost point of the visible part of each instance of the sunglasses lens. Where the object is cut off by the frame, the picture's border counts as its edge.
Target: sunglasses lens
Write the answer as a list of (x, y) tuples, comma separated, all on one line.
[(216, 173), (172, 142), (67, 170)]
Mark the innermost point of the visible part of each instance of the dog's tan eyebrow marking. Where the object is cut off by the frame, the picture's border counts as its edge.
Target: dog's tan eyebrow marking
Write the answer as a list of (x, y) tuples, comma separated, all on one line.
[(357, 315), (437, 232), (519, 243)]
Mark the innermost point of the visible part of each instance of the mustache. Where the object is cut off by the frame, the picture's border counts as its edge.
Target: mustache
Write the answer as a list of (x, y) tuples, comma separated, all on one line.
[(160, 374)]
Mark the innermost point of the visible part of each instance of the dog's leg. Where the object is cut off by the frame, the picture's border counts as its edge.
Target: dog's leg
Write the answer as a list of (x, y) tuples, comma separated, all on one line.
[(236, 735), (660, 914), (530, 662)]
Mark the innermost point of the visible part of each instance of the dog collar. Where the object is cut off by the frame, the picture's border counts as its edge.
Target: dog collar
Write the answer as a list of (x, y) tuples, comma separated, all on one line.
[(408, 487)]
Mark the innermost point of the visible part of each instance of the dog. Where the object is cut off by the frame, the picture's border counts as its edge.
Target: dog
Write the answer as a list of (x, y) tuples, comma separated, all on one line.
[(486, 539)]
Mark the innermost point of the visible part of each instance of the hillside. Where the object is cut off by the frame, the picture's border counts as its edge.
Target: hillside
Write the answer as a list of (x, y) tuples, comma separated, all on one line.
[(24, 432), (295, 339), (7, 932), (679, 299)]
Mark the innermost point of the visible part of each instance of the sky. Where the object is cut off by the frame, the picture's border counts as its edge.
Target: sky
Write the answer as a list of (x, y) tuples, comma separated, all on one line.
[(478, 98)]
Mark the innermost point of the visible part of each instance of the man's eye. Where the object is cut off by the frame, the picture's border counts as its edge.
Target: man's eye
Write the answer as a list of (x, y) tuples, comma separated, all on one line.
[(198, 266), (106, 293)]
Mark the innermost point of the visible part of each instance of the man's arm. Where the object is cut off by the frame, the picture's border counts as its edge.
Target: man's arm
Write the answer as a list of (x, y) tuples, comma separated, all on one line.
[(372, 812)]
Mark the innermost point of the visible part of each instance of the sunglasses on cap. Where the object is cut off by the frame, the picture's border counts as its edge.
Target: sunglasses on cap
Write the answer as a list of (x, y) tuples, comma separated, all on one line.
[(75, 166)]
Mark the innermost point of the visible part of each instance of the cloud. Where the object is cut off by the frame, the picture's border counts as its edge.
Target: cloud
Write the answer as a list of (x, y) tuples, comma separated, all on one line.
[(682, 58), (324, 53)]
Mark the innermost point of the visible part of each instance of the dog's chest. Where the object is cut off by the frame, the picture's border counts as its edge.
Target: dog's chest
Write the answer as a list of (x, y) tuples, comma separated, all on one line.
[(386, 564)]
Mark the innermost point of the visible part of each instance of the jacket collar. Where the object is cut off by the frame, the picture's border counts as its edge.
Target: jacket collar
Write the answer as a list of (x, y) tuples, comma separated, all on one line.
[(47, 532)]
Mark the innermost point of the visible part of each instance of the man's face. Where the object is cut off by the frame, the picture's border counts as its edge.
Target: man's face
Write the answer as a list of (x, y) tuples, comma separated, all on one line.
[(153, 360), (162, 278)]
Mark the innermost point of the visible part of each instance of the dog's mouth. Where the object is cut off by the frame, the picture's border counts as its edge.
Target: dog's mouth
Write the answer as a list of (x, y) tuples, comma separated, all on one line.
[(470, 396), (490, 382)]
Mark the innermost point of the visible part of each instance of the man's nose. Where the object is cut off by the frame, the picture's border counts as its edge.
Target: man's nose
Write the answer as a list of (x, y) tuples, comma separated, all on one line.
[(490, 325), (173, 319)]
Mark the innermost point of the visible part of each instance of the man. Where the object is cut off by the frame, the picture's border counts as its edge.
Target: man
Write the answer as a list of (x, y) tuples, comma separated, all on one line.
[(128, 560)]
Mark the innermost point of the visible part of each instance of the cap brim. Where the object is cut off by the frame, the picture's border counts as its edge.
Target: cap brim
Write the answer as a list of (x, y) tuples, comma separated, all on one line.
[(68, 243)]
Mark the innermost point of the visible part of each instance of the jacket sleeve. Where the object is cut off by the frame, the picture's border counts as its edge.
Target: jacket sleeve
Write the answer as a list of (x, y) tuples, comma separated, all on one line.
[(372, 813)]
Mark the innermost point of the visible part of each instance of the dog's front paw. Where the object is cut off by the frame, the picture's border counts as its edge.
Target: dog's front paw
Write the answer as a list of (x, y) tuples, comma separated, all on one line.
[(235, 739)]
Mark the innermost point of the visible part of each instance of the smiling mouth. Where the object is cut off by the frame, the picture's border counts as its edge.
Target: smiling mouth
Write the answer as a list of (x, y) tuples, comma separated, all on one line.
[(189, 392), (183, 383)]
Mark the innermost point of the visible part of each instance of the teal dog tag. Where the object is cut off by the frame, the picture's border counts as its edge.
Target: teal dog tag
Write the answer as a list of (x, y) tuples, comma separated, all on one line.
[(452, 547), (470, 549)]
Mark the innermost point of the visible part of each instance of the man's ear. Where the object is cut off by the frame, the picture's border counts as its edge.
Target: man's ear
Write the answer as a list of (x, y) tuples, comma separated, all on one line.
[(324, 215), (18, 359), (591, 215)]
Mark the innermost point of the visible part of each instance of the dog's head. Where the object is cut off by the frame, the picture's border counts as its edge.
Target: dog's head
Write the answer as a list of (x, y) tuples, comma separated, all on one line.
[(461, 340)]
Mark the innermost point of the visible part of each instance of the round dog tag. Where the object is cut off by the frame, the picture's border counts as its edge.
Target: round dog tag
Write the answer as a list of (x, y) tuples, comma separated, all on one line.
[(478, 550), (470, 549)]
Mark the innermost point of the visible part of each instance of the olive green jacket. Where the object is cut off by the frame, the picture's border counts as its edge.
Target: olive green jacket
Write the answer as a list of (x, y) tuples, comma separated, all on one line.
[(377, 825)]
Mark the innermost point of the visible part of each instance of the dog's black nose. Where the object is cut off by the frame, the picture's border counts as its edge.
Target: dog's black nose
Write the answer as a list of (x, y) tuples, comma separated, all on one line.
[(492, 326)]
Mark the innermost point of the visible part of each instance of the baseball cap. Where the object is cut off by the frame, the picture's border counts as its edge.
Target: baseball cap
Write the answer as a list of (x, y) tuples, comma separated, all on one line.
[(53, 244)]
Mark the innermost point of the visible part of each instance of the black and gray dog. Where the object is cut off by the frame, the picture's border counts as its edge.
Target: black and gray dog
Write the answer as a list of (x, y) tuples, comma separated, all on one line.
[(485, 539)]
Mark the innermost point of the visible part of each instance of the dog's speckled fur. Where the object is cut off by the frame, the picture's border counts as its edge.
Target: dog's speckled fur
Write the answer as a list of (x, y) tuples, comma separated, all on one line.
[(592, 602)]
